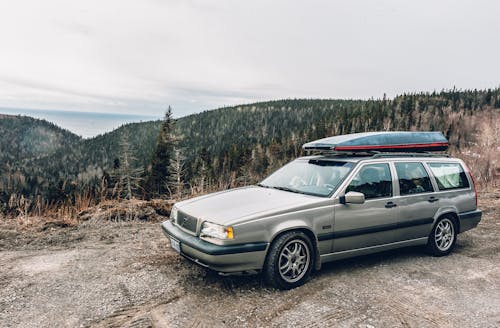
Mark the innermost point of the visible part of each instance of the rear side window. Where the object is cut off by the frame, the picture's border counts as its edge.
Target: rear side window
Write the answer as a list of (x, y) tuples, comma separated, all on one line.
[(449, 175), (413, 178), (373, 180)]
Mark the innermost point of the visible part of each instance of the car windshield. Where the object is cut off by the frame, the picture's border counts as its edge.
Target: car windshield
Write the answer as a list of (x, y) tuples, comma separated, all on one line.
[(313, 177)]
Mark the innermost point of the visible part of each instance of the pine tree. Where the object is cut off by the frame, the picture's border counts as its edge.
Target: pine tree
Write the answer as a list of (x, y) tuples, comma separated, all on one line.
[(160, 163)]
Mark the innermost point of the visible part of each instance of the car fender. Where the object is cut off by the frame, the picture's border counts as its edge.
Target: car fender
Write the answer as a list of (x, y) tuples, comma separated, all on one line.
[(295, 224), (445, 210), (298, 224)]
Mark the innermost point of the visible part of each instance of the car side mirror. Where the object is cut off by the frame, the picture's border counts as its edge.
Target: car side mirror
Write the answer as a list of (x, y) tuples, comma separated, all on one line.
[(352, 197)]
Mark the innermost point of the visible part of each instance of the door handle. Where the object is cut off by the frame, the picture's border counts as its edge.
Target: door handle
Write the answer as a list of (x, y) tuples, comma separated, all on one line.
[(432, 199), (390, 205)]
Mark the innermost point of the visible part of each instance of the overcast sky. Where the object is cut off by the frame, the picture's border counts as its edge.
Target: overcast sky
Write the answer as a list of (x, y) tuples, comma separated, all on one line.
[(139, 56)]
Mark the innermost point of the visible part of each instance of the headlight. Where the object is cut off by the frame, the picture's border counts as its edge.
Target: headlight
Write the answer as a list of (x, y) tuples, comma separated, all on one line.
[(218, 231), (173, 214)]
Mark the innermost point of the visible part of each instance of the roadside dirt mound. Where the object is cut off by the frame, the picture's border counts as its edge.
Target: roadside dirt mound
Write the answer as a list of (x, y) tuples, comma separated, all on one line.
[(39, 232), (128, 210)]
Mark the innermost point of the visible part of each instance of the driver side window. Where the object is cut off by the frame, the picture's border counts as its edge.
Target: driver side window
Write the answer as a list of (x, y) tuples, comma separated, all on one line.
[(373, 180)]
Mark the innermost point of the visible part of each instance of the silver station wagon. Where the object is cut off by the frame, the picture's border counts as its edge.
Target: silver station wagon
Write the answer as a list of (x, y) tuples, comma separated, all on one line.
[(363, 193)]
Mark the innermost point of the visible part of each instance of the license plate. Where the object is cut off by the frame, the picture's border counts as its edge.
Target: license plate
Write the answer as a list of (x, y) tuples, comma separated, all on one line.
[(175, 244)]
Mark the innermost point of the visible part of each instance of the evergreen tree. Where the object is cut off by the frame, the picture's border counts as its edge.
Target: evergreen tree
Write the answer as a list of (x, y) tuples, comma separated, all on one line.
[(159, 175)]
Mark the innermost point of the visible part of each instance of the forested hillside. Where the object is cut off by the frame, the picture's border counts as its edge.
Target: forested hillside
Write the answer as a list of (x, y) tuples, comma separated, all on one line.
[(232, 146), (239, 144), (24, 140), (24, 137)]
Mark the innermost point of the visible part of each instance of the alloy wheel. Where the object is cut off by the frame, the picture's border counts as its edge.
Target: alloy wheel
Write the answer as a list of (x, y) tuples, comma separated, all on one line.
[(444, 235), (294, 260)]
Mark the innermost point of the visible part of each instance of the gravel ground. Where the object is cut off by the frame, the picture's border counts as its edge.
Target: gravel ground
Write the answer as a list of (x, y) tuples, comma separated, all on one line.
[(103, 274)]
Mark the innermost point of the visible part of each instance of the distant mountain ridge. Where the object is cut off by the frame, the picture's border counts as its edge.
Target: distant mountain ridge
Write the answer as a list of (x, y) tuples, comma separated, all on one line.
[(24, 137), (227, 146), (85, 124)]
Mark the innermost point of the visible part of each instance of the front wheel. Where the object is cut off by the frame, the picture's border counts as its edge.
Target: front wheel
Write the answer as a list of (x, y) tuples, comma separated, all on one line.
[(443, 237), (290, 260)]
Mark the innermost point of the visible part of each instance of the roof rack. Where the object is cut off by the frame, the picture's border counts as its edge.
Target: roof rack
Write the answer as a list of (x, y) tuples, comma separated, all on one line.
[(373, 154), (330, 152)]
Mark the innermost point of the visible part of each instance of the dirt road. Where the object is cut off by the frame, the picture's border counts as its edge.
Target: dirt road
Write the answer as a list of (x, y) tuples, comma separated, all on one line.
[(124, 275)]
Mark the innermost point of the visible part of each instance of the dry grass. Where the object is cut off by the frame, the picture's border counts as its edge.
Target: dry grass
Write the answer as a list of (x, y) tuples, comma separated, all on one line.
[(109, 210), (483, 154)]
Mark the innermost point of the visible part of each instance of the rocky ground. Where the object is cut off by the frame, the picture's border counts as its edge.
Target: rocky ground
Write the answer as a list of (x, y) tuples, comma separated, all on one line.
[(123, 274)]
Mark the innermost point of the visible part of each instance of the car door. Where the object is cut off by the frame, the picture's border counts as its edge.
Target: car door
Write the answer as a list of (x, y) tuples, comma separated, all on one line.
[(417, 201), (371, 223)]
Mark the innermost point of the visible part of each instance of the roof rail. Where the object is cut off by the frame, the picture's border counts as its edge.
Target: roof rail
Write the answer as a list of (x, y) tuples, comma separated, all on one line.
[(379, 155)]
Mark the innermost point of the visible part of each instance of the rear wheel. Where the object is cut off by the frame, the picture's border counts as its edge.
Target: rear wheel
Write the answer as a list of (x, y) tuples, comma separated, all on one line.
[(290, 260), (443, 237)]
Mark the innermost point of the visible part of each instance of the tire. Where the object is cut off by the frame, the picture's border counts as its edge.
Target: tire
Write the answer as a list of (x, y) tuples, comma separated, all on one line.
[(443, 236), (289, 261)]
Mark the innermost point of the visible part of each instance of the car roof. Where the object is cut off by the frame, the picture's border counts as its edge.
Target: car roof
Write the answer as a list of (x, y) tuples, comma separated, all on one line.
[(356, 157)]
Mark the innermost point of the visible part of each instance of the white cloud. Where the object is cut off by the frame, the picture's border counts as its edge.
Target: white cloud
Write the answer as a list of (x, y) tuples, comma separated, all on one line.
[(140, 56)]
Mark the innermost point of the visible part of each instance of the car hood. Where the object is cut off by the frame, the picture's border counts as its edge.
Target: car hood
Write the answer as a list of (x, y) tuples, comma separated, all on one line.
[(231, 206)]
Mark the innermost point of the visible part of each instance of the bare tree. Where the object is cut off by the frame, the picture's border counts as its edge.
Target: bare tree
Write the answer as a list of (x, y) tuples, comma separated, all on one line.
[(175, 181), (129, 178)]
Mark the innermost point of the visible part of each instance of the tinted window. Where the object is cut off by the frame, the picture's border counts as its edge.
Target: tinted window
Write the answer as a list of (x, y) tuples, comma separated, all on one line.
[(449, 175), (373, 180), (413, 178)]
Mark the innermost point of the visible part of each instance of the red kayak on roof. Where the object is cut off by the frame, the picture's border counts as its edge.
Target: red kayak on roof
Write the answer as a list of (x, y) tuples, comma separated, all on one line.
[(397, 141)]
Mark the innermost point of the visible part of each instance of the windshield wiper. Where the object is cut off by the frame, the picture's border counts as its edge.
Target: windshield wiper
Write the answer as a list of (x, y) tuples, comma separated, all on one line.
[(282, 188), (288, 189)]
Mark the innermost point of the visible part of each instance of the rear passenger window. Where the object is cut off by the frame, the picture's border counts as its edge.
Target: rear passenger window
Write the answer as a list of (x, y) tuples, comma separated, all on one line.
[(449, 175), (373, 180), (413, 178)]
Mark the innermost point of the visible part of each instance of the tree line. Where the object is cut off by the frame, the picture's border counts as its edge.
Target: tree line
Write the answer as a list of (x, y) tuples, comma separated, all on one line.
[(226, 147)]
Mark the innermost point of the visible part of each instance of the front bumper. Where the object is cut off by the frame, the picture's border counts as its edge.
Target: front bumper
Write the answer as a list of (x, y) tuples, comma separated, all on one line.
[(226, 259), (469, 220)]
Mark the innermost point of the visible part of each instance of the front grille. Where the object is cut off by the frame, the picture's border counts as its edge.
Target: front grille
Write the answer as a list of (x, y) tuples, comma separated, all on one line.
[(187, 221)]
